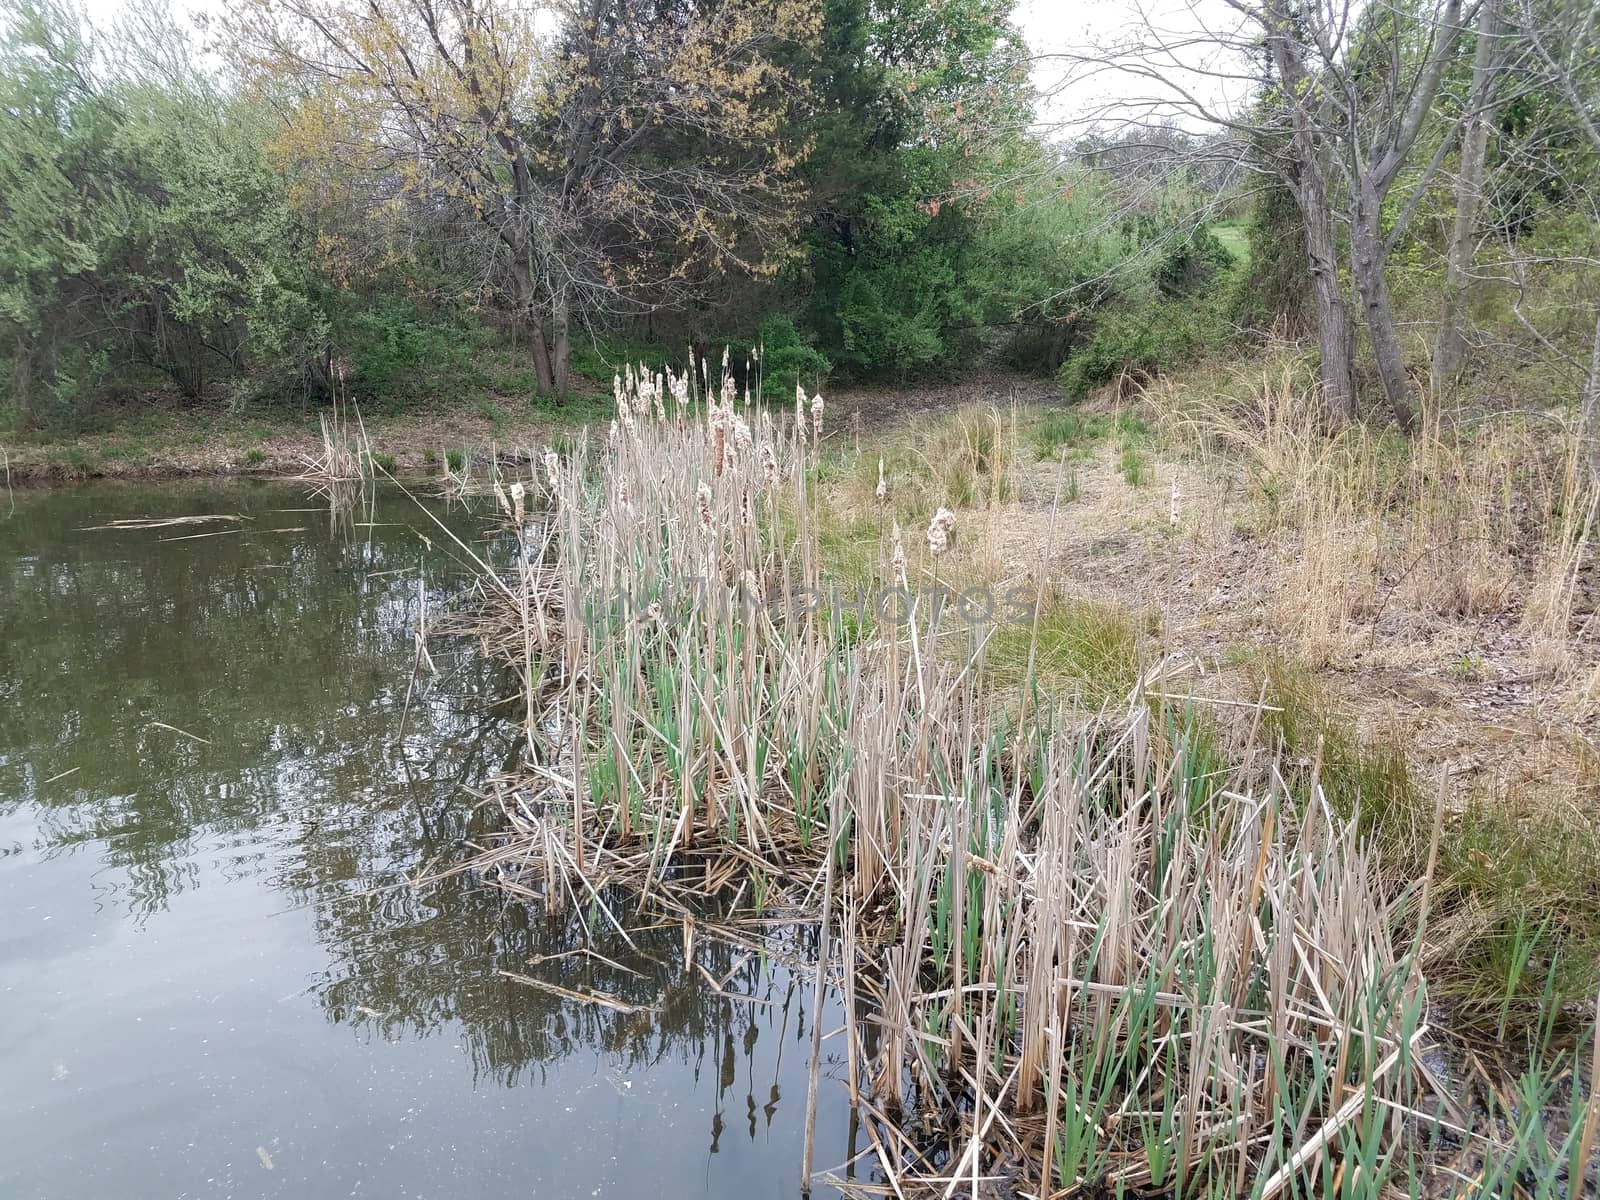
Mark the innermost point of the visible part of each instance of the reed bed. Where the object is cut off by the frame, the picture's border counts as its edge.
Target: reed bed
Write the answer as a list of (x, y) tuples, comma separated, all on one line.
[(345, 464), (1085, 953)]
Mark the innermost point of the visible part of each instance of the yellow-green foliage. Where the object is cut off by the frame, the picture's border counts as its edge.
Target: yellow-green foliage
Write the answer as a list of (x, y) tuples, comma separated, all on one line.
[(1084, 648)]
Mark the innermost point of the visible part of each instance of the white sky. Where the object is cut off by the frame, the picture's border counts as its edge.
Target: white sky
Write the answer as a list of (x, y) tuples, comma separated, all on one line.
[(1216, 79), (1052, 27)]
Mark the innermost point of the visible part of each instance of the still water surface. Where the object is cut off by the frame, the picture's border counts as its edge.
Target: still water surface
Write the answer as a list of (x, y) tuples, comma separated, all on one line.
[(214, 980)]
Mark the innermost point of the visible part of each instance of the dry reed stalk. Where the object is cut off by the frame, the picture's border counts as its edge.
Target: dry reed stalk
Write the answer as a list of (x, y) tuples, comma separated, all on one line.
[(166, 522), (816, 1027), (343, 469)]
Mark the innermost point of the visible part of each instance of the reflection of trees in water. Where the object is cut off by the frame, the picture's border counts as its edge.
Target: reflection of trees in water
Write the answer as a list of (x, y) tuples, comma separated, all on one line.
[(287, 652), (290, 654), (408, 963)]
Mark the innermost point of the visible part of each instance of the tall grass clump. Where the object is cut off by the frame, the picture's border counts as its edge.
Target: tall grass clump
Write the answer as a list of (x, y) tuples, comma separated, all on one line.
[(344, 463), (1087, 649), (1083, 956), (1464, 519)]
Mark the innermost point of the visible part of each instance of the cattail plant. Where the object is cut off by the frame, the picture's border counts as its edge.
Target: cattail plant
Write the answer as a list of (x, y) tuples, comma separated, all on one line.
[(941, 532), (1096, 957)]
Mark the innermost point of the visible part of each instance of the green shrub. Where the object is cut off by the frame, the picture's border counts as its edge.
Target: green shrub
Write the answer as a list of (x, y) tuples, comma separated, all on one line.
[(399, 356), (787, 357), (602, 357), (1272, 284), (1142, 342), (1158, 322)]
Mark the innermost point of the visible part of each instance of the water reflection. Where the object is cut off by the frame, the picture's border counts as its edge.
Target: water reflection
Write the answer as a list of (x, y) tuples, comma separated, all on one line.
[(217, 778)]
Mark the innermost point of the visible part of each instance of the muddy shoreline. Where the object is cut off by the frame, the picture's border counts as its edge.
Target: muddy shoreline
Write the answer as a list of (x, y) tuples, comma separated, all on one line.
[(172, 443)]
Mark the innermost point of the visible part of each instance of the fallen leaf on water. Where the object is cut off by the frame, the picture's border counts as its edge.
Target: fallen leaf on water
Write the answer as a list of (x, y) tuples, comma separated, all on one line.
[(266, 1159)]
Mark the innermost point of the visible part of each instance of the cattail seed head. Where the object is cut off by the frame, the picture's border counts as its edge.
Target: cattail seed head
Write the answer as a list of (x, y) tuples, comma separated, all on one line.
[(883, 484), (816, 420), (704, 495), (941, 532), (518, 511)]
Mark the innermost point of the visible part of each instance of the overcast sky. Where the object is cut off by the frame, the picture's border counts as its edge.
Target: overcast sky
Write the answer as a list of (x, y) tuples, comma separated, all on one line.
[(1052, 27), (1078, 27)]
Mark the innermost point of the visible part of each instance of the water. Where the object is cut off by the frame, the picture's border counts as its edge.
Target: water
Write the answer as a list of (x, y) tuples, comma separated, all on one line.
[(217, 775)]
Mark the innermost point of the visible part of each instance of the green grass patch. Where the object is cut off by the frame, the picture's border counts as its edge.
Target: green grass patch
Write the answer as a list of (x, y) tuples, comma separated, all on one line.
[(1132, 463), (125, 452), (1235, 239), (1361, 779), (1085, 648), (71, 460), (1071, 431), (572, 409), (1526, 887), (379, 462)]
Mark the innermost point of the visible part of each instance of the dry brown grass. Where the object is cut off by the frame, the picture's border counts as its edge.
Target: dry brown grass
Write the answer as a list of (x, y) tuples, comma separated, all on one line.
[(1468, 520)]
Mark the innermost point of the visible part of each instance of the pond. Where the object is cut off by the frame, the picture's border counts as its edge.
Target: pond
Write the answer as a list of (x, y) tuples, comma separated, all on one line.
[(221, 765)]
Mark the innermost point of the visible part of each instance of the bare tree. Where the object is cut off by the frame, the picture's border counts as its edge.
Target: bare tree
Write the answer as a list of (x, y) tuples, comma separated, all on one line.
[(1347, 94), (1305, 167), (1378, 137), (1563, 38), (621, 156)]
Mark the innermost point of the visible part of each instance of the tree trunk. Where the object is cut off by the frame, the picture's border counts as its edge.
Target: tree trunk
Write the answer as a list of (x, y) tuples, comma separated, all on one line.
[(542, 366), (1589, 405), (1450, 344), (1309, 182), (561, 349), (1367, 254), (1333, 322), (527, 297)]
